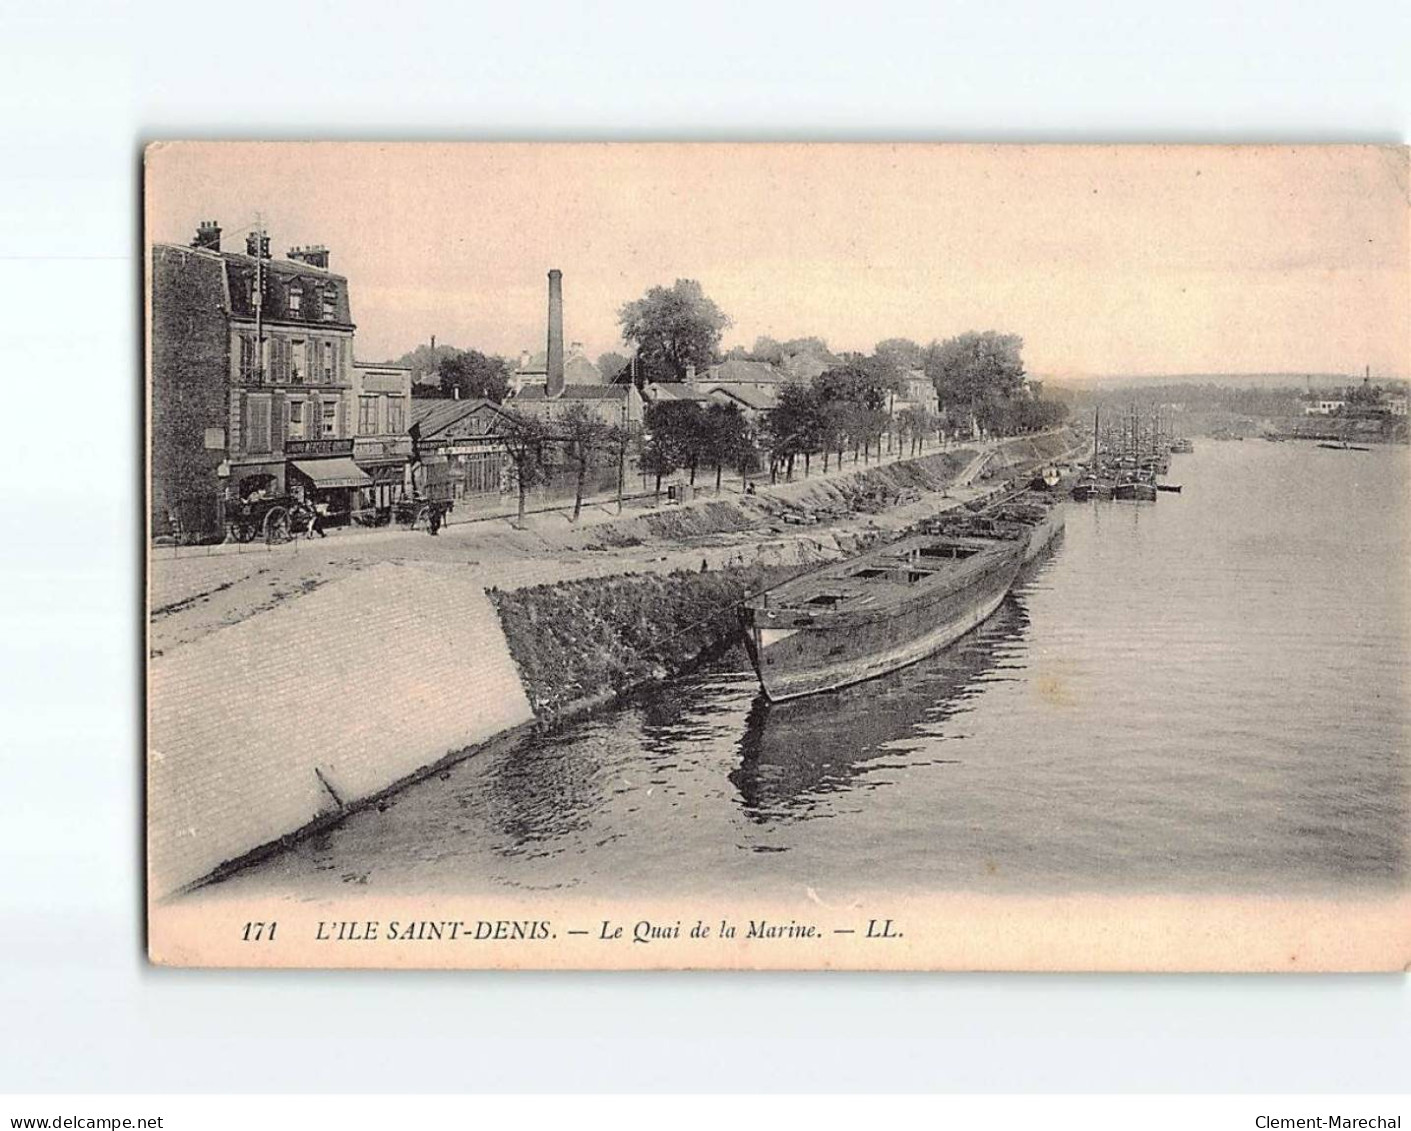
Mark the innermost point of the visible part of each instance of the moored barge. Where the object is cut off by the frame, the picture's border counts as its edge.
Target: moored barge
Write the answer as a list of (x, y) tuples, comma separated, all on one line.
[(858, 619)]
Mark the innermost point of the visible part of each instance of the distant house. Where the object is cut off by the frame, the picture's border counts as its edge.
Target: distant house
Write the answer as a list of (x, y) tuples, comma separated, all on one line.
[(1324, 404), (752, 386), (1395, 403), (659, 391), (533, 369), (917, 392), (755, 404), (758, 376)]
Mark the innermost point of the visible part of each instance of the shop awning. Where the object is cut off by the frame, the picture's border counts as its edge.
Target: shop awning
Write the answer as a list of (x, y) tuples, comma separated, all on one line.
[(339, 472)]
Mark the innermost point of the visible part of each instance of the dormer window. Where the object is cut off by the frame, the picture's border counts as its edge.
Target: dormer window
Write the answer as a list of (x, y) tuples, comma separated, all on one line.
[(296, 301), (330, 305)]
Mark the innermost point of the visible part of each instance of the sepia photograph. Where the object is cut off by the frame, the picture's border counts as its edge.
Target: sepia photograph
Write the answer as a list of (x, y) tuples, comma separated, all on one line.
[(777, 556)]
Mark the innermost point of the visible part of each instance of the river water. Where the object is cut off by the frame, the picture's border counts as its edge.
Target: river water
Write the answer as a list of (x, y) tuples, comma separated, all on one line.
[(1204, 694)]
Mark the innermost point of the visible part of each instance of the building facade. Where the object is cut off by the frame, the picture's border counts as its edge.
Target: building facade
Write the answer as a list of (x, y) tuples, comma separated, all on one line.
[(382, 448), (532, 370), (252, 383), (619, 405), (465, 434)]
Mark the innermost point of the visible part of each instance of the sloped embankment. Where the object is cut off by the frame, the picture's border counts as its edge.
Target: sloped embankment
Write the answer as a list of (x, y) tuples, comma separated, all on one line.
[(868, 490), (579, 643)]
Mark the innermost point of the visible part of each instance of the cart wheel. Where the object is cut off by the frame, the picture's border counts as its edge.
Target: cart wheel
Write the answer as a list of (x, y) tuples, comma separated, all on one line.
[(244, 532), (277, 526), (421, 518)]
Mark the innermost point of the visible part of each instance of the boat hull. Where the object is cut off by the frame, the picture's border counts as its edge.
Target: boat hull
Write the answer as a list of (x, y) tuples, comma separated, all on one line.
[(1135, 492), (794, 661)]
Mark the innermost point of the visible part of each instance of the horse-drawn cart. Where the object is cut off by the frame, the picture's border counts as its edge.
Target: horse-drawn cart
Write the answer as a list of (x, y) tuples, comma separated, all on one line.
[(272, 519)]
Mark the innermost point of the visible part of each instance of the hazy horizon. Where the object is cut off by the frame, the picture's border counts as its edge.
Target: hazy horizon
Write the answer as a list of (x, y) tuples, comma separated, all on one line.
[(1153, 261)]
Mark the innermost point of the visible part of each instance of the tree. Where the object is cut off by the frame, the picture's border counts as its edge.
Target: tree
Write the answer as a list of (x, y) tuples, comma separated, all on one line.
[(797, 426), (673, 328), (671, 437), (725, 431), (902, 353), (619, 439), (766, 349), (611, 365), (472, 374), (525, 438), (584, 434), (976, 371), (859, 392)]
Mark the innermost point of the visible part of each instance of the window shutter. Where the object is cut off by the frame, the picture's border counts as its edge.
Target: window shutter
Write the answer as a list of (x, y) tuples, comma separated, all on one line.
[(342, 416), (280, 422)]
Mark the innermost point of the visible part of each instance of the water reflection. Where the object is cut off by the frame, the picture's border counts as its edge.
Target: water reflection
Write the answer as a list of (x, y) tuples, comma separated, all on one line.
[(793, 754), (544, 791)]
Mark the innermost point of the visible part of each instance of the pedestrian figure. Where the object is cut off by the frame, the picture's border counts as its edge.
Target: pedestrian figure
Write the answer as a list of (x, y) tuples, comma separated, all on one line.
[(433, 518), (315, 520)]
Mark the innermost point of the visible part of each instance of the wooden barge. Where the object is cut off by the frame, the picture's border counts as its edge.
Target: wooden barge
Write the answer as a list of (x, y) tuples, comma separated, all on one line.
[(885, 609)]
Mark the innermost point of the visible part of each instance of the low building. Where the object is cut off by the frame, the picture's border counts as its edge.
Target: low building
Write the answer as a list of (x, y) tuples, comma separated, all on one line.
[(382, 447), (619, 405), (1324, 404), (754, 404), (466, 435)]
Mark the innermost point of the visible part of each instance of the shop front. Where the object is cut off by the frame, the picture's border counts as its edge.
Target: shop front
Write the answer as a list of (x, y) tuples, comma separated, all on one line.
[(384, 460), (325, 474)]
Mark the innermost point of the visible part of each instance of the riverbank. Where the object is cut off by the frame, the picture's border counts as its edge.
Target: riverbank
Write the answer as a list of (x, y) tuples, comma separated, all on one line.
[(193, 596), (290, 691)]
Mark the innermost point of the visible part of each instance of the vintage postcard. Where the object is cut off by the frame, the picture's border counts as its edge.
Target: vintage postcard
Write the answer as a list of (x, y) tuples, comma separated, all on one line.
[(778, 556)]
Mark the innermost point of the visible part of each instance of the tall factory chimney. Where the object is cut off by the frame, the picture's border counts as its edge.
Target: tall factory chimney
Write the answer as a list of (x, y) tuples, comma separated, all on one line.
[(553, 381)]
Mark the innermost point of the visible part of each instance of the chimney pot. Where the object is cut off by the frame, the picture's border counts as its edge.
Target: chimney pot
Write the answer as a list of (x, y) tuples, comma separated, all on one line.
[(207, 236), (315, 255)]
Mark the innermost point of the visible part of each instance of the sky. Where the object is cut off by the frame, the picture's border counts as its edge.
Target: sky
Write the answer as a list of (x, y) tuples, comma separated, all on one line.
[(1106, 260)]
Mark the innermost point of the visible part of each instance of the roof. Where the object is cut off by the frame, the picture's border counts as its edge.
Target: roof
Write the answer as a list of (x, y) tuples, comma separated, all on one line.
[(677, 391), (436, 415), (576, 393), (240, 269), (380, 365), (761, 400), (738, 371)]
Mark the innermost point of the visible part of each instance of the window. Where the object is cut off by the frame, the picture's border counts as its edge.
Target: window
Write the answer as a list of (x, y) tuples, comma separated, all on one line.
[(257, 424), (279, 361), (396, 415), (330, 304), (367, 416), (328, 363), (298, 361), (330, 418), (296, 301), (296, 420), (249, 360)]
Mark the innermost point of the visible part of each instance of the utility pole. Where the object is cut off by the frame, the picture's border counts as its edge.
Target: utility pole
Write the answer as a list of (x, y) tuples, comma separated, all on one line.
[(259, 297)]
